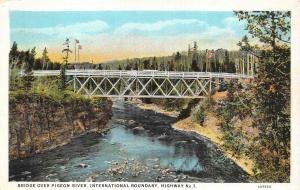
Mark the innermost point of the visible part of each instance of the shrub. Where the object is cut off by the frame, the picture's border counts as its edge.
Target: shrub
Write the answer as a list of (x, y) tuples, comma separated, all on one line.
[(199, 111)]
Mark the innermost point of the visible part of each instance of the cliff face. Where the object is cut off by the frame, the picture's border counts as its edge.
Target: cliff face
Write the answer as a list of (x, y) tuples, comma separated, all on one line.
[(38, 122)]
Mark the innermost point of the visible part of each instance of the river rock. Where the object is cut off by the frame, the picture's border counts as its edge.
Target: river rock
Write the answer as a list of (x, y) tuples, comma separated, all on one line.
[(138, 129), (26, 173), (91, 179), (83, 165), (180, 143), (184, 177), (166, 171), (176, 180), (173, 176), (162, 137), (157, 179), (121, 121), (131, 122)]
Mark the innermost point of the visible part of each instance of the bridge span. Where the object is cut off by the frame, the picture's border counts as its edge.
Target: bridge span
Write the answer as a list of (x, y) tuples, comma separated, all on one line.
[(142, 84)]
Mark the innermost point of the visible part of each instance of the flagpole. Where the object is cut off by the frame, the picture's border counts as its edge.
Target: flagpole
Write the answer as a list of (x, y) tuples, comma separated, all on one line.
[(75, 51), (78, 54), (206, 64), (215, 62)]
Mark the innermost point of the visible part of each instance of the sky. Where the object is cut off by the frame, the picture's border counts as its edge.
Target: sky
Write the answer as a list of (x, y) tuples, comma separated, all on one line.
[(112, 35)]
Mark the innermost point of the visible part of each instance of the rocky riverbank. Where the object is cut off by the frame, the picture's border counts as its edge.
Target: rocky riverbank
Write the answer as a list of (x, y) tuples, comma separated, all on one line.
[(210, 131), (154, 107), (213, 134), (133, 168)]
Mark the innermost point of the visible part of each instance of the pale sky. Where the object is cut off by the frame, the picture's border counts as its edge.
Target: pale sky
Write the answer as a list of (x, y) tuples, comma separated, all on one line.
[(110, 35)]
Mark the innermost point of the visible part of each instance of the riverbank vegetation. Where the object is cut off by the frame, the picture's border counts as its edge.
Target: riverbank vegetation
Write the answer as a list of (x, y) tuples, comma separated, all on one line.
[(253, 119), (44, 113)]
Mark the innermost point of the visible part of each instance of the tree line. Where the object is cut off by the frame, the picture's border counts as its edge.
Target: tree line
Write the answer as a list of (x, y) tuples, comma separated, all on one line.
[(27, 59), (220, 60)]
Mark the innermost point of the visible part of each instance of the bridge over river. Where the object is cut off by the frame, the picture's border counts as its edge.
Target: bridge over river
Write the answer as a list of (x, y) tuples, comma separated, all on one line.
[(143, 84)]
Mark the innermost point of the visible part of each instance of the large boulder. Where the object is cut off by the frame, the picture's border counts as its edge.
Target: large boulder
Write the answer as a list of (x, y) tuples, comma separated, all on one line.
[(131, 122), (82, 165), (138, 129)]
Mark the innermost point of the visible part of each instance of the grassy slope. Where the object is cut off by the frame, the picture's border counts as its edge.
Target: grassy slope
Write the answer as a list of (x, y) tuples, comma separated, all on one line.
[(211, 130), (215, 136)]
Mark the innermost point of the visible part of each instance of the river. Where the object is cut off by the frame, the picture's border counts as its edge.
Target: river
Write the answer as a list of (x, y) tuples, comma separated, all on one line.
[(140, 146)]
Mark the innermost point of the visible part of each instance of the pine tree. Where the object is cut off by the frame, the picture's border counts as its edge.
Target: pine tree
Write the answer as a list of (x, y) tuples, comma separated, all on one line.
[(99, 67), (119, 68), (27, 78), (136, 67), (13, 55), (62, 75), (271, 92), (195, 66), (45, 59)]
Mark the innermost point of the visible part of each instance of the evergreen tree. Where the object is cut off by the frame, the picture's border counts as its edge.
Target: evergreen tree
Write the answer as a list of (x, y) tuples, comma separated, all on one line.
[(99, 67), (37, 64), (27, 78), (154, 64), (119, 68), (171, 66), (271, 92), (33, 54), (13, 55), (177, 56), (136, 67), (62, 75), (195, 66), (146, 64), (128, 67), (45, 59)]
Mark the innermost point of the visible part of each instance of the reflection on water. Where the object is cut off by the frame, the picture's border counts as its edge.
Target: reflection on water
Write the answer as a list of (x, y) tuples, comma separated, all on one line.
[(182, 152)]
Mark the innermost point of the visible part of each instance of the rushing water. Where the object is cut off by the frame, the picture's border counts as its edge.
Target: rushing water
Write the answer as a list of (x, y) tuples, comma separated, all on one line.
[(141, 146)]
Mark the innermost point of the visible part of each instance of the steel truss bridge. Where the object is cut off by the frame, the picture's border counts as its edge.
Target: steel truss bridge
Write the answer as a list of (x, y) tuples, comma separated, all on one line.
[(143, 84)]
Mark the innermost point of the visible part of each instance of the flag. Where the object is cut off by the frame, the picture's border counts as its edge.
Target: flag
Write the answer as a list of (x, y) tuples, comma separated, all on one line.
[(76, 41), (79, 47), (211, 54)]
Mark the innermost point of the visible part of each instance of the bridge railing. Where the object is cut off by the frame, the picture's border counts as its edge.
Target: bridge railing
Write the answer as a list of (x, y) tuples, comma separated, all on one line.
[(142, 74)]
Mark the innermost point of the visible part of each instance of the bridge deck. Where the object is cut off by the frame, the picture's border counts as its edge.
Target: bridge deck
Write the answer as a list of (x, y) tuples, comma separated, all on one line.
[(143, 84), (143, 74)]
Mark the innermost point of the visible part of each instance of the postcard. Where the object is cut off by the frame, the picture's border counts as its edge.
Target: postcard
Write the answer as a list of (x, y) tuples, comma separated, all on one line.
[(149, 95)]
